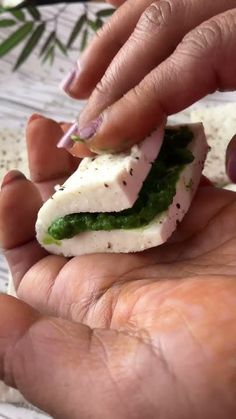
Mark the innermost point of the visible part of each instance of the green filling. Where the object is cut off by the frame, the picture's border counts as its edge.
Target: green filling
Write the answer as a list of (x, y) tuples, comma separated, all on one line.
[(155, 196), (50, 240)]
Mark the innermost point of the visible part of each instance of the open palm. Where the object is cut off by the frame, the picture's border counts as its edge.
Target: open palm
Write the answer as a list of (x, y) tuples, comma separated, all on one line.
[(149, 335)]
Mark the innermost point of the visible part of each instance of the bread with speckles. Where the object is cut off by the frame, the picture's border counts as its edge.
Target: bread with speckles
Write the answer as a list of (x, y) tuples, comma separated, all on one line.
[(115, 186)]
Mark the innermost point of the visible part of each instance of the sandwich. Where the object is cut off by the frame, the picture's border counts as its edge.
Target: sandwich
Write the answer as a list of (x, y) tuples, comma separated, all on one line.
[(126, 202)]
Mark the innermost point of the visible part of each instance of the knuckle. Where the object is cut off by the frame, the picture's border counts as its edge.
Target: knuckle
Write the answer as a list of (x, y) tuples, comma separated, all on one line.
[(157, 15), (210, 35), (109, 79)]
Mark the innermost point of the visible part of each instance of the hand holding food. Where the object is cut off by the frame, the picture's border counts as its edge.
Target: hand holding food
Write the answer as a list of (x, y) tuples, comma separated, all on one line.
[(152, 59), (127, 202), (101, 329)]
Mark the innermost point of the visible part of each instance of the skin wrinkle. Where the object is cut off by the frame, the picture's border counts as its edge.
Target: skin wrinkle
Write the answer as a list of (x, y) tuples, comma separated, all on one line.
[(199, 233), (90, 302), (95, 335), (53, 277), (9, 376), (157, 15), (158, 352), (104, 360)]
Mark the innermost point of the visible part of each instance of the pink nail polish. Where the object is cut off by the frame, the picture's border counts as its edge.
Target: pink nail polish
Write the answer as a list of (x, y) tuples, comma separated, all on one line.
[(69, 78), (66, 141), (90, 130)]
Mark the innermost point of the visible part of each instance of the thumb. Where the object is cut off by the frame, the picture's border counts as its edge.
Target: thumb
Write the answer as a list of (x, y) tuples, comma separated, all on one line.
[(58, 366), (202, 63)]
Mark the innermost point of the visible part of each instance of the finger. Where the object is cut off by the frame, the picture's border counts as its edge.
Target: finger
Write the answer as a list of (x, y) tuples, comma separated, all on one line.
[(47, 163), (116, 3), (93, 63), (175, 84), (19, 204), (158, 32), (231, 159)]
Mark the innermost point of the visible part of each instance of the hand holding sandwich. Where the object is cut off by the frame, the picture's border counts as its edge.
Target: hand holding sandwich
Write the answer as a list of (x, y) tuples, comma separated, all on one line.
[(152, 59), (118, 336)]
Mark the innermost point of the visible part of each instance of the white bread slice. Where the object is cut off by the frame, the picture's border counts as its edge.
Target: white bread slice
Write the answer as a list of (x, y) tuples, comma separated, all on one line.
[(135, 240), (107, 183)]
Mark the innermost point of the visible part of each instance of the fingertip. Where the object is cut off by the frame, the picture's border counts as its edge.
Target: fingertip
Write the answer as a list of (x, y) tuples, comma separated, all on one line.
[(11, 177), (76, 83), (81, 151), (33, 117), (37, 124), (65, 126)]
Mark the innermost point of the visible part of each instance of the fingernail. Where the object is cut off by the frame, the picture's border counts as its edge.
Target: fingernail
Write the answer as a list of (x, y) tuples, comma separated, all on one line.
[(66, 141), (11, 177), (69, 78), (231, 168), (34, 117), (90, 130)]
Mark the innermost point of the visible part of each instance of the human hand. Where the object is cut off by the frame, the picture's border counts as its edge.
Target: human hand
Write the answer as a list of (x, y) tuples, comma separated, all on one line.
[(118, 336), (150, 60)]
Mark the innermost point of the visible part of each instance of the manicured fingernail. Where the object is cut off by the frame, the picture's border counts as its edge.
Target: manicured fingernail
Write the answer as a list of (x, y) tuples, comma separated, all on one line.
[(66, 141), (90, 130), (231, 168), (11, 177), (68, 80)]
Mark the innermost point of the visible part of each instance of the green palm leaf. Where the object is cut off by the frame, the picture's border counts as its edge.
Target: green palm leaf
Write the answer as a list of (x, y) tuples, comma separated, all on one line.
[(105, 12), (18, 14), (4, 23), (51, 38), (99, 23), (15, 38), (34, 12), (92, 24), (84, 40), (61, 46), (76, 30), (30, 45), (50, 55)]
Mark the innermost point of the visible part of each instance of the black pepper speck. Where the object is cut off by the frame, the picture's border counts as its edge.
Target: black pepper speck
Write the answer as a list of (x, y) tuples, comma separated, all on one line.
[(124, 183)]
